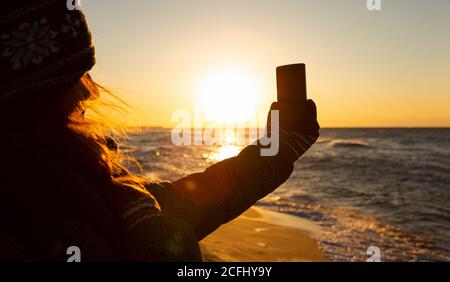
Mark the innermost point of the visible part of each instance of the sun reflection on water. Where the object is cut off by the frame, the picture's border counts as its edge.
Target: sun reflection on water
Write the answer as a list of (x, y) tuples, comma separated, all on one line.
[(224, 152)]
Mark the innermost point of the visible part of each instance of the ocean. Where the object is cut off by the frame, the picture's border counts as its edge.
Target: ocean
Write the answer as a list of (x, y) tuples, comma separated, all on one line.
[(388, 188)]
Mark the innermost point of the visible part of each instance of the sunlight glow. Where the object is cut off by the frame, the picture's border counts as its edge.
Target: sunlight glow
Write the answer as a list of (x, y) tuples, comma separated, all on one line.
[(228, 96), (225, 152)]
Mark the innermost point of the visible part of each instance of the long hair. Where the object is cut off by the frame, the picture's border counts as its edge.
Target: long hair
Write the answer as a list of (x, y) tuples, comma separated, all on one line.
[(49, 140), (76, 124)]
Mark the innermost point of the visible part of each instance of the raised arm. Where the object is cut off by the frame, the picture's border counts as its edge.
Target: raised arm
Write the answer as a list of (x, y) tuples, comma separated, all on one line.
[(225, 190)]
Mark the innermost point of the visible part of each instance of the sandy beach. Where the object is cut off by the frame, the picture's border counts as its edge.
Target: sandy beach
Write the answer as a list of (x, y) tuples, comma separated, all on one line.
[(264, 236)]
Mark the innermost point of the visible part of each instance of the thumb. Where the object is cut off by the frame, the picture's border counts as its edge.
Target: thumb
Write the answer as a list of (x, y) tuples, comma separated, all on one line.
[(275, 106)]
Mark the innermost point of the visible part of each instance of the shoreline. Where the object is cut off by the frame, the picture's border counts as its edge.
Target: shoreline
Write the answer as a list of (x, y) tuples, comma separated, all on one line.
[(260, 235)]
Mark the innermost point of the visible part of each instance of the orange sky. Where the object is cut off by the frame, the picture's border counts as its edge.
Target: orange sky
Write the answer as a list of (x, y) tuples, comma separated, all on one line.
[(365, 69)]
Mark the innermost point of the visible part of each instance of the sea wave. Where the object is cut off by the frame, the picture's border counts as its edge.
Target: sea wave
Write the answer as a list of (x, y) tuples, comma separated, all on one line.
[(342, 143), (364, 187)]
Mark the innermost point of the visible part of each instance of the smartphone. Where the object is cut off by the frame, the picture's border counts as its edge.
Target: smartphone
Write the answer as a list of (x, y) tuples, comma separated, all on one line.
[(291, 84)]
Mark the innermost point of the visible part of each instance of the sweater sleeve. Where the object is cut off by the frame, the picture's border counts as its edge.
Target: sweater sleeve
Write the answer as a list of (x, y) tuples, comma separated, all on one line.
[(225, 190)]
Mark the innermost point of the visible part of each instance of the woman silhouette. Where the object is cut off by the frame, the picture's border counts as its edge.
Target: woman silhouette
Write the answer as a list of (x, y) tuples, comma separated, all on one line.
[(62, 179)]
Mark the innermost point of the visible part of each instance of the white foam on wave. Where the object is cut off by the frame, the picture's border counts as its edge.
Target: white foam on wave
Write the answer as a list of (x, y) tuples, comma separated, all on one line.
[(348, 143)]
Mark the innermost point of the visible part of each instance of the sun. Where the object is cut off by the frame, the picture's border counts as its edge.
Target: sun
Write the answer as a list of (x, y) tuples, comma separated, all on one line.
[(228, 96)]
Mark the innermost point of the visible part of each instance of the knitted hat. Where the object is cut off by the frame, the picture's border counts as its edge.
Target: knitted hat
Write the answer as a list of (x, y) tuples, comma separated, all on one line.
[(43, 45)]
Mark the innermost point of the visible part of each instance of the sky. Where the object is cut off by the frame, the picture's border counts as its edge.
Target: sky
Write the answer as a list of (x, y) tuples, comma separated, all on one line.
[(387, 68)]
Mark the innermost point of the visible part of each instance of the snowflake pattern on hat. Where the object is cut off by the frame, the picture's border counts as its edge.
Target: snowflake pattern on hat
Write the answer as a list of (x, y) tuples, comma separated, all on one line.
[(29, 43), (72, 25), (43, 45)]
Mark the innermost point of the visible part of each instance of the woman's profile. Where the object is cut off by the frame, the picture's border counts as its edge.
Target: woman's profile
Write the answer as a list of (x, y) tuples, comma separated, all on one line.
[(63, 179)]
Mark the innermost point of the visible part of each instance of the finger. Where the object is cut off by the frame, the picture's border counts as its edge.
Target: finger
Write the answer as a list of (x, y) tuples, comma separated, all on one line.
[(311, 109), (273, 107)]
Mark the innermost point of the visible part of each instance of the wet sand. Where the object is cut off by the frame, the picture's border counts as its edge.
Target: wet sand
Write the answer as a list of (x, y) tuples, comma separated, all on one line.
[(263, 236)]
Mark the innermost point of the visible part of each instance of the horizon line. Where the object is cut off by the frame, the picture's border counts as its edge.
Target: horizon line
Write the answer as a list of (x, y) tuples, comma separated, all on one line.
[(326, 127)]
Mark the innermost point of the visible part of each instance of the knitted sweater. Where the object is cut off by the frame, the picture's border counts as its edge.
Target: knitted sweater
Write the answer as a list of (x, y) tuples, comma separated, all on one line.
[(162, 225), (196, 205)]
